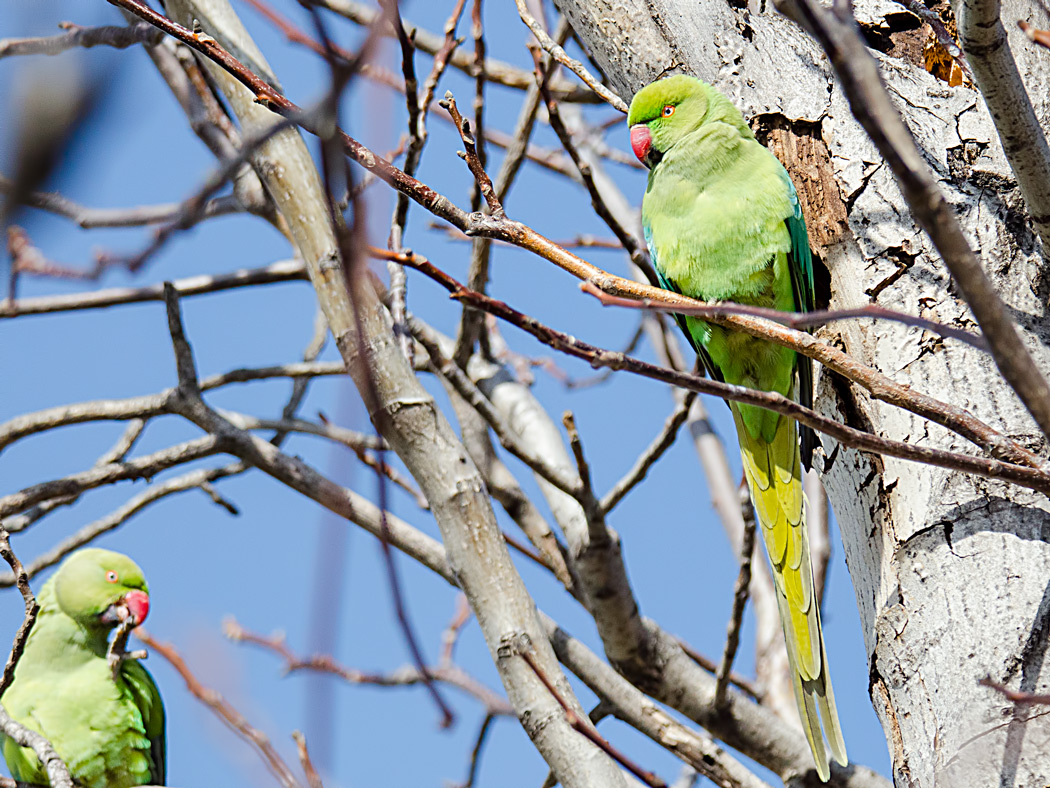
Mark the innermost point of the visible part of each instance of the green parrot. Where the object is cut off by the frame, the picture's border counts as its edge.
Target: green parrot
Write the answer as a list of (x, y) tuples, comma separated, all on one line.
[(723, 223), (110, 732)]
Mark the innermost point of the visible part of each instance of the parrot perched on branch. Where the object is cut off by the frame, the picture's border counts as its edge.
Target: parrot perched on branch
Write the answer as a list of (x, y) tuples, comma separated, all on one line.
[(109, 731), (723, 223)]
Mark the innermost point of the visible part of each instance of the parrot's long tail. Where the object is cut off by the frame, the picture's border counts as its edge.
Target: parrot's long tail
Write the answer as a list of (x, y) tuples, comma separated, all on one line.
[(774, 476)]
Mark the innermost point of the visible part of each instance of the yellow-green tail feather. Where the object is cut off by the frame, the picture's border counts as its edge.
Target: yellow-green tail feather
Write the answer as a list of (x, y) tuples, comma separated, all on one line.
[(774, 476)]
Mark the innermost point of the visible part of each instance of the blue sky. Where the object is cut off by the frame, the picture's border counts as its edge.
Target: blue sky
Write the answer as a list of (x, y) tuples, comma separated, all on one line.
[(284, 562)]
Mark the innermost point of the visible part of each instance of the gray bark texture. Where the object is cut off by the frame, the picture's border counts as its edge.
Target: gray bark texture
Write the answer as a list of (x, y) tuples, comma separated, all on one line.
[(951, 572)]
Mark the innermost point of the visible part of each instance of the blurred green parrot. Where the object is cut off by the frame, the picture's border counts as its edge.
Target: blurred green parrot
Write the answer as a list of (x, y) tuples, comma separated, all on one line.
[(723, 223), (109, 731)]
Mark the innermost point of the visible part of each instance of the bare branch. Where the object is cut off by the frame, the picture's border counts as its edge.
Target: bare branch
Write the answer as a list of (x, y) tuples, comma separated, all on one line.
[(408, 676), (630, 705), (57, 771), (466, 389), (21, 579), (588, 729), (285, 271), (477, 169), (222, 709), (1020, 698), (736, 618), (639, 256), (1033, 478), (475, 753), (494, 70), (559, 54), (1041, 37), (116, 37), (144, 467), (193, 480), (313, 779), (90, 218), (654, 452)]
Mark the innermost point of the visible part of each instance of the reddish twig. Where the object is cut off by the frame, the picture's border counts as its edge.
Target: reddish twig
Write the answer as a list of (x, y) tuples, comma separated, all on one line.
[(587, 729), (470, 155), (1041, 37), (806, 320), (313, 779), (405, 677), (1033, 478), (222, 709), (1015, 696)]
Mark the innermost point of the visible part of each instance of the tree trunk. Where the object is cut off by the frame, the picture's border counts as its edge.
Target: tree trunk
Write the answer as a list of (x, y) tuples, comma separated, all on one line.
[(951, 572)]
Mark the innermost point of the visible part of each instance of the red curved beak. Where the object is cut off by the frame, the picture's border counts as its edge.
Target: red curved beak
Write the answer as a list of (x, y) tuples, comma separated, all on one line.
[(641, 141), (137, 604)]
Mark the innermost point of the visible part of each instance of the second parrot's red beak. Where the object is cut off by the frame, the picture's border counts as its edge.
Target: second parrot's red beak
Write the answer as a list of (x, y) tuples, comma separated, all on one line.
[(134, 605), (641, 141), (137, 603)]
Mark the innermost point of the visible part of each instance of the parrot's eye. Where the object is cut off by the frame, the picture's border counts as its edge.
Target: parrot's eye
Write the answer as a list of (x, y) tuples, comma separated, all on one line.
[(111, 576), (668, 110)]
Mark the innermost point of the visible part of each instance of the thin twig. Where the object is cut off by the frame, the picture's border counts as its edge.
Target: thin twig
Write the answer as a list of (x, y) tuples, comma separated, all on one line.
[(90, 218), (285, 271), (587, 729), (408, 676), (475, 753), (1014, 696), (495, 71), (313, 779), (1033, 478), (117, 653), (507, 438), (740, 593), (450, 637), (1041, 37), (653, 452), (222, 709), (144, 467), (804, 320), (477, 31), (639, 256), (21, 579), (197, 479), (559, 54), (125, 443), (110, 36), (470, 155)]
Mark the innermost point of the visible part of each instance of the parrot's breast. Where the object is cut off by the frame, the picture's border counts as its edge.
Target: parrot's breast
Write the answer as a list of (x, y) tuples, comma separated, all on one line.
[(90, 721)]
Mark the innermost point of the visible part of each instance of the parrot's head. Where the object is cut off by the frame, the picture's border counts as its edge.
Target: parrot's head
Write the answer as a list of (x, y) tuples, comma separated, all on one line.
[(666, 111), (100, 588)]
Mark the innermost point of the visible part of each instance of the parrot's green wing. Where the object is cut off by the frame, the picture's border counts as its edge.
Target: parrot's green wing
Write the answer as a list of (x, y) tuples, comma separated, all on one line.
[(705, 358), (800, 263), (147, 699)]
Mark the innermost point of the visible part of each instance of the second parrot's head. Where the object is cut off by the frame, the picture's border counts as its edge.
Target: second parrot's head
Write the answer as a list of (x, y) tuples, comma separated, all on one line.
[(665, 111), (100, 588)]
